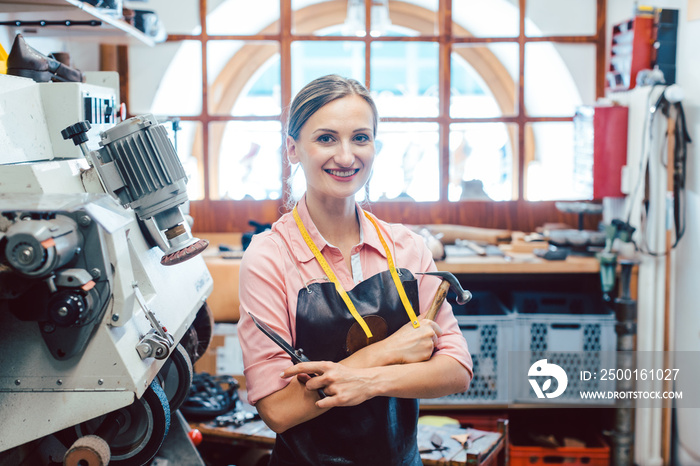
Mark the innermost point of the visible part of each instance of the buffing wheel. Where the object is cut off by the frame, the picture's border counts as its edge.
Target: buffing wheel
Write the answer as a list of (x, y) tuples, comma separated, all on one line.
[(184, 254), (145, 426), (176, 377), (90, 450)]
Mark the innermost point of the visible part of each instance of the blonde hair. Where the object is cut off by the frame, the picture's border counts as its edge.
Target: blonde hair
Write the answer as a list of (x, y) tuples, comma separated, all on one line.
[(318, 93)]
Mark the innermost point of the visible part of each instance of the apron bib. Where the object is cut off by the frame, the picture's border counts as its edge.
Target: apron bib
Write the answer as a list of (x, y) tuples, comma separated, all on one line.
[(380, 431)]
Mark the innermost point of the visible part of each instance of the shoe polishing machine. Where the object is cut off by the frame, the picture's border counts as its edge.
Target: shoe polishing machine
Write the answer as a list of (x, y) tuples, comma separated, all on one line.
[(101, 285)]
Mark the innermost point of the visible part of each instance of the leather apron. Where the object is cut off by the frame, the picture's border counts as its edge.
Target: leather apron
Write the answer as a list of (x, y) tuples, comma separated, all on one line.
[(381, 431)]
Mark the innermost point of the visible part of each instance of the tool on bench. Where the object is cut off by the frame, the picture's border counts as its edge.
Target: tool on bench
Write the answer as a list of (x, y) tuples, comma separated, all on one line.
[(437, 445), (297, 355), (236, 418), (448, 281)]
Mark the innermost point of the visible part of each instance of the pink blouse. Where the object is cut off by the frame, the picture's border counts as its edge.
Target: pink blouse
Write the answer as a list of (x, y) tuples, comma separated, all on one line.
[(278, 263)]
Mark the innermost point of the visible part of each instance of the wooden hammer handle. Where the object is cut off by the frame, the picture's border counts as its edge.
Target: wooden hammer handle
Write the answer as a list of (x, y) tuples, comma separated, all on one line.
[(439, 298)]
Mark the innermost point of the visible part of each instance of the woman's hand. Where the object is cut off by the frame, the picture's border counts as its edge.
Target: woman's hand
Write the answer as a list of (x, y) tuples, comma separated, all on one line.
[(343, 386), (409, 344)]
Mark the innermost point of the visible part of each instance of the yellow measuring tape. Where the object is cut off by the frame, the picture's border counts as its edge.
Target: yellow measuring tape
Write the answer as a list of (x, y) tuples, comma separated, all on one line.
[(395, 276), (339, 288)]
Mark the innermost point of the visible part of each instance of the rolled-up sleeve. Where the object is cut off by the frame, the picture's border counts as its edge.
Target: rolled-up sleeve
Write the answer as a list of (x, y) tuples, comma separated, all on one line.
[(262, 292)]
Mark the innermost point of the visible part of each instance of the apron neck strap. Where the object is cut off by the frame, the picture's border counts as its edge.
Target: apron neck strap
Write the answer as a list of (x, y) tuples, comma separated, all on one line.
[(339, 288)]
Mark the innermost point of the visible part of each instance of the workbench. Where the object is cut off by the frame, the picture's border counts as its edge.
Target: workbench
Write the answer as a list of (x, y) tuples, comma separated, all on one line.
[(485, 448)]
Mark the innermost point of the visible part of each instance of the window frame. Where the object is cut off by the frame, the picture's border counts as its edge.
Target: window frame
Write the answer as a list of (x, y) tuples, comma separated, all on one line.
[(214, 215)]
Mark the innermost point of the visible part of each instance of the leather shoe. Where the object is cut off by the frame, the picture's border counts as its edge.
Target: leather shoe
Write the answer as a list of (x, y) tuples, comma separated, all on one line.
[(27, 62), (63, 57)]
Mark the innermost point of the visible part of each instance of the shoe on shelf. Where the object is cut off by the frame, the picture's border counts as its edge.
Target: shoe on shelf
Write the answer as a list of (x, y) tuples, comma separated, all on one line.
[(110, 7), (27, 62), (148, 22)]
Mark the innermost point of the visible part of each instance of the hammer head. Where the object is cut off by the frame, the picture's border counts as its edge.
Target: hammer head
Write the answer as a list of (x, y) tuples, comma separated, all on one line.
[(463, 296)]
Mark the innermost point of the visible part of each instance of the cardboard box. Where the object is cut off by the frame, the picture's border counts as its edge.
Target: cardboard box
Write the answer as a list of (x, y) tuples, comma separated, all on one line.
[(224, 355), (223, 300)]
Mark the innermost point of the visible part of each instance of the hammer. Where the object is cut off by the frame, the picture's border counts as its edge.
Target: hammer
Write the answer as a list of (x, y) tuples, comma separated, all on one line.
[(448, 281)]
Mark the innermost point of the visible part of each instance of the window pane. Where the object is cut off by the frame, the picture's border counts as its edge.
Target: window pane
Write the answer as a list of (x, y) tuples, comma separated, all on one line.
[(481, 161), (311, 60), (405, 78), (484, 80), (347, 18), (407, 166), (559, 78), (242, 17), (560, 18), (421, 16), (492, 18), (549, 174), (186, 137), (246, 156), (309, 16), (177, 16), (169, 78), (244, 78)]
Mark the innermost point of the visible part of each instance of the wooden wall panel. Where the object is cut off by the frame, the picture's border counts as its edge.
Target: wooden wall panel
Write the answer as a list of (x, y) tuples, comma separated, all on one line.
[(233, 216)]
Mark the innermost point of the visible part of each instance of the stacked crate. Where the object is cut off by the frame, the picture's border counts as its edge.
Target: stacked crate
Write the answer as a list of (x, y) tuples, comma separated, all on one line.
[(487, 325), (575, 331)]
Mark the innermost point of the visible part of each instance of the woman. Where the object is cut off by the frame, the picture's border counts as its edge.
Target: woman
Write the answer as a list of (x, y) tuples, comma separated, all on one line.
[(370, 411)]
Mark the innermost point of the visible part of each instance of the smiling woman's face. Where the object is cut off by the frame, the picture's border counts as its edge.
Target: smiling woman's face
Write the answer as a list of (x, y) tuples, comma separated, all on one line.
[(336, 148)]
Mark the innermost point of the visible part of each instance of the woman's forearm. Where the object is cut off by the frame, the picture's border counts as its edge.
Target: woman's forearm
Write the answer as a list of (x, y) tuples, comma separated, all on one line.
[(295, 404), (346, 386), (379, 369), (289, 407), (440, 376)]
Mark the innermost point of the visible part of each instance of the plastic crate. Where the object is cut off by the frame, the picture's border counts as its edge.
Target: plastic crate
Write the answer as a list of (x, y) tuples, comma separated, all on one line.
[(573, 331), (488, 326), (595, 453)]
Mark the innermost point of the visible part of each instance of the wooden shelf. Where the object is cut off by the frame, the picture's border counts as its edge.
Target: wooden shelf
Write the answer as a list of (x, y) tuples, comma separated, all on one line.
[(112, 30), (518, 263)]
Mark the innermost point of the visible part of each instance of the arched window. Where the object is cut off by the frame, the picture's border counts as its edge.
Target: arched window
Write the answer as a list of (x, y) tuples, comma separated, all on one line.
[(473, 110)]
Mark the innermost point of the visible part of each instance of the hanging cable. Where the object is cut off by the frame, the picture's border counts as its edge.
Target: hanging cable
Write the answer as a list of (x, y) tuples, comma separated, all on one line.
[(680, 157), (666, 103)]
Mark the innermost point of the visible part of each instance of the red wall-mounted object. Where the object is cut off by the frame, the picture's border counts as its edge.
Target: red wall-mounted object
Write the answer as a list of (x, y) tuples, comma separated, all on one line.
[(630, 52), (609, 150)]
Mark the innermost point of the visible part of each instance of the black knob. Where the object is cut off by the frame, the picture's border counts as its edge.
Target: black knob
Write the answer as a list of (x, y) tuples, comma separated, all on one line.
[(67, 308), (77, 132)]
